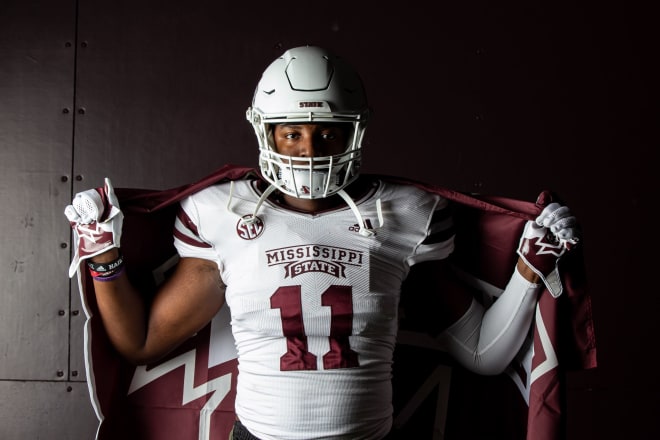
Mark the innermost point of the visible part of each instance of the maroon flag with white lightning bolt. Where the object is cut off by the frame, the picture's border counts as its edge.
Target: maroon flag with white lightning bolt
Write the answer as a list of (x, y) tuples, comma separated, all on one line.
[(190, 394)]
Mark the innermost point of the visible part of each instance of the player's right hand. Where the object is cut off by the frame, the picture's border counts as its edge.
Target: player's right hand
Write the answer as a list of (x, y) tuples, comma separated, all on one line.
[(96, 221)]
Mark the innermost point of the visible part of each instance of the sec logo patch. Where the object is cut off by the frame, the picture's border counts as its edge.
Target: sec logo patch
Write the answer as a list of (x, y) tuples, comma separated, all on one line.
[(249, 227)]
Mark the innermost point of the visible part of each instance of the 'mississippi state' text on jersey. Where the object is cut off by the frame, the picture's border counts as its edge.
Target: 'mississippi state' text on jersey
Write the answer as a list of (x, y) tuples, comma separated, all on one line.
[(313, 302)]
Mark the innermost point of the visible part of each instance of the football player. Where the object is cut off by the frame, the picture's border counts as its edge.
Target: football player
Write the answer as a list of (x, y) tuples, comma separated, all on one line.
[(310, 258)]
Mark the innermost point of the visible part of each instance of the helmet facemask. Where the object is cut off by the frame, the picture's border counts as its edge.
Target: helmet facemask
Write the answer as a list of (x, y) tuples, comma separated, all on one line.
[(310, 177)]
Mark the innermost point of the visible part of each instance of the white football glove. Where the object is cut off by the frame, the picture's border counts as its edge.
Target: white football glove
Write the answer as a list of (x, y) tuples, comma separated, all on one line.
[(545, 240), (96, 221)]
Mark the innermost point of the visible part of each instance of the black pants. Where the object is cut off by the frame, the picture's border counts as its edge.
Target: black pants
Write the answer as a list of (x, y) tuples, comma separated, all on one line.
[(240, 432)]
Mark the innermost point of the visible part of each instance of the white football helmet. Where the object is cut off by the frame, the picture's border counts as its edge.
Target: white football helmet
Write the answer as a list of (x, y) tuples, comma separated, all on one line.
[(308, 84)]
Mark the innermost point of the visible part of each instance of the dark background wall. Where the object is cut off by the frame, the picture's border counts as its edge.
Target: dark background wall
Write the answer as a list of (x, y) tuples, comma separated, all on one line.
[(497, 99)]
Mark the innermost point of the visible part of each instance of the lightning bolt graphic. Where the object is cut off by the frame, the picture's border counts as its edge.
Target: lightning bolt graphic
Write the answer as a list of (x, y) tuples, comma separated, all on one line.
[(550, 355), (548, 248), (520, 367), (219, 387), (525, 360), (88, 233)]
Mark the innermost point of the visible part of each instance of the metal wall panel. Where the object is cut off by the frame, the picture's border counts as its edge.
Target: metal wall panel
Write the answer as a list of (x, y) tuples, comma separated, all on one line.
[(46, 410), (76, 336), (39, 359), (36, 94), (162, 92)]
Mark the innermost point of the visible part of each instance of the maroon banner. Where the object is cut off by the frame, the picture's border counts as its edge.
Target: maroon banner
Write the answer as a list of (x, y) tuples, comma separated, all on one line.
[(190, 394)]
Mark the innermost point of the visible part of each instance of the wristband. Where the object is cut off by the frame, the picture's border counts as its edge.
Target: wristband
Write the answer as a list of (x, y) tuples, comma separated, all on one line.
[(109, 268), (108, 277), (109, 273)]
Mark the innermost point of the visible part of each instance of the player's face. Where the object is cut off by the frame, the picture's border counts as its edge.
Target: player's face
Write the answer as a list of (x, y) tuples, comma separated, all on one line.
[(310, 140)]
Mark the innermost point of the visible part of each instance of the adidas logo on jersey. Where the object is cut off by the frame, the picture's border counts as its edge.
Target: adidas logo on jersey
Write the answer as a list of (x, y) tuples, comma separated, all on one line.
[(356, 228)]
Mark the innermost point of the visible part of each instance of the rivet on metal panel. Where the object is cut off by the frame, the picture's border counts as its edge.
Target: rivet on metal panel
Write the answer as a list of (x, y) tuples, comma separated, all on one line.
[(81, 111), (69, 389), (64, 245), (74, 373), (64, 178), (83, 44), (65, 110), (60, 373), (67, 44), (75, 312), (61, 312), (79, 177)]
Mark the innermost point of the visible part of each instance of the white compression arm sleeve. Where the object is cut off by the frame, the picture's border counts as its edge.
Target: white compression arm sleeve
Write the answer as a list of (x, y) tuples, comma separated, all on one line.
[(485, 341)]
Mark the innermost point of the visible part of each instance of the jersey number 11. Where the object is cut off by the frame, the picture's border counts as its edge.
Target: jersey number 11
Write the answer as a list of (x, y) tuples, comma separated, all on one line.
[(338, 298)]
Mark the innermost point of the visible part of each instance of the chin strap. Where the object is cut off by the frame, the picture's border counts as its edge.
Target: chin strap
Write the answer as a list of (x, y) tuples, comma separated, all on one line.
[(253, 217), (364, 229)]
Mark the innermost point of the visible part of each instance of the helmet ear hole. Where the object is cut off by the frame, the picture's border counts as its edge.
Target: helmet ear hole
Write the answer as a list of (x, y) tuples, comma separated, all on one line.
[(270, 139)]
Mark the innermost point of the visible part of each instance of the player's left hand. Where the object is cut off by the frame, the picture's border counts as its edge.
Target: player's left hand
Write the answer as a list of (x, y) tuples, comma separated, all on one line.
[(545, 240)]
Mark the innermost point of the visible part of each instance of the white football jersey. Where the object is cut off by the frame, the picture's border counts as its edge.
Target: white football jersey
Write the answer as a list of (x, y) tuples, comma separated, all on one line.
[(314, 303)]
